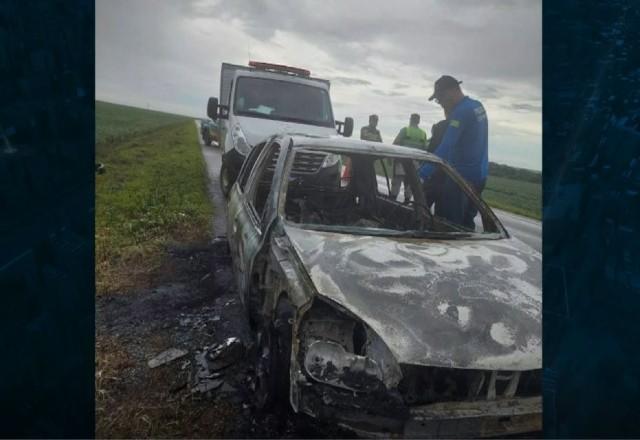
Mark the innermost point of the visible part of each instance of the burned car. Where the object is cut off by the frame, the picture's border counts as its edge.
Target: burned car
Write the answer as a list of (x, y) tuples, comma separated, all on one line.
[(387, 318)]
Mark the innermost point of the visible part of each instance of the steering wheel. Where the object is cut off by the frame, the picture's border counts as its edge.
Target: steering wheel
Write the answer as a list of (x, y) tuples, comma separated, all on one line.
[(396, 206), (312, 206), (420, 218)]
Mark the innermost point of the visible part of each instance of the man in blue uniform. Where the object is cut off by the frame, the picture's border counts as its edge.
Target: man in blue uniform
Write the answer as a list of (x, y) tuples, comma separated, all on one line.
[(464, 145)]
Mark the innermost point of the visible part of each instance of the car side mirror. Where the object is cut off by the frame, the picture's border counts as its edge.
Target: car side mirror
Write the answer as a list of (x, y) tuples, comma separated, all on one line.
[(347, 129), (212, 108)]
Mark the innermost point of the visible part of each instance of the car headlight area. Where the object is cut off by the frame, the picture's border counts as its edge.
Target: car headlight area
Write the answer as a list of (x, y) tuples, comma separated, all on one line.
[(341, 351), (345, 372), (345, 367), (240, 140), (330, 363)]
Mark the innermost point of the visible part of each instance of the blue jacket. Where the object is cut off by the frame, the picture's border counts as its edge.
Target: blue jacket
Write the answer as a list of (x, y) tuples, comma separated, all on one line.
[(465, 143)]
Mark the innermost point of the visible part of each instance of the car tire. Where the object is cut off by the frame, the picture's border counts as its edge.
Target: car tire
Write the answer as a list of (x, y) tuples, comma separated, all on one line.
[(225, 180), (252, 307), (273, 363)]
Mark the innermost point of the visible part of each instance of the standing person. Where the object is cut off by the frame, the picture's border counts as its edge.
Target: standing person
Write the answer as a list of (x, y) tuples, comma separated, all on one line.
[(464, 145), (410, 136), (437, 134), (370, 132), (432, 186), (367, 133)]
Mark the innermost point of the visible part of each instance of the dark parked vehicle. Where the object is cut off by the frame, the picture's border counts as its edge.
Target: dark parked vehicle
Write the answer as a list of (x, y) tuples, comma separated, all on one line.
[(386, 318), (208, 131)]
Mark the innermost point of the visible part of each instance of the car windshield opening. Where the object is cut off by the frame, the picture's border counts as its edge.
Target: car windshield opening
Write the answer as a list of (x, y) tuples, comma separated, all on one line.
[(386, 195), (283, 101)]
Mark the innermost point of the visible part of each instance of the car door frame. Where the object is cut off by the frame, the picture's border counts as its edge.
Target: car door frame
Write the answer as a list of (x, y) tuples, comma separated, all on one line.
[(237, 194), (248, 227)]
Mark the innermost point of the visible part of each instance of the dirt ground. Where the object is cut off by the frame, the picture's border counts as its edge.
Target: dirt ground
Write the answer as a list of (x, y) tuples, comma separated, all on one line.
[(194, 306)]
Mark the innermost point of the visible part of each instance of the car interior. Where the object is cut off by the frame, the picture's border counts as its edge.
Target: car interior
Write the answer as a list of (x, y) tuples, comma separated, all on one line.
[(362, 199)]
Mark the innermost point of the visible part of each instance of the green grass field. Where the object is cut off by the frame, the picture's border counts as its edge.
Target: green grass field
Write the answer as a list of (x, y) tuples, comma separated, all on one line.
[(519, 197), (154, 191), (118, 122)]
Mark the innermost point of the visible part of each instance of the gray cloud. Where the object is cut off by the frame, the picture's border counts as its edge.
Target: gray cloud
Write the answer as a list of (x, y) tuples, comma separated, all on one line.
[(489, 92), (526, 107), (385, 93), (467, 38), (350, 81)]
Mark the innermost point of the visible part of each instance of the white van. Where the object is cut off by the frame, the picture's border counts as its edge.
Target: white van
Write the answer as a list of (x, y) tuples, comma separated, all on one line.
[(265, 99)]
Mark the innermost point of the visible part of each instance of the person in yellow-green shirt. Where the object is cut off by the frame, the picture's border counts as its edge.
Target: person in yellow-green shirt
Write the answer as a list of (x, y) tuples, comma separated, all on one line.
[(410, 136)]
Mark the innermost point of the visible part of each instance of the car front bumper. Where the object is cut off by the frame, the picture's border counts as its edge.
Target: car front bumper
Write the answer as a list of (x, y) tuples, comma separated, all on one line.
[(489, 418), (379, 416)]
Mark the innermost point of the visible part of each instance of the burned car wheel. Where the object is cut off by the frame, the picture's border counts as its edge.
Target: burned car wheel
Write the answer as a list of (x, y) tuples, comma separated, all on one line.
[(272, 364), (253, 306), (225, 180)]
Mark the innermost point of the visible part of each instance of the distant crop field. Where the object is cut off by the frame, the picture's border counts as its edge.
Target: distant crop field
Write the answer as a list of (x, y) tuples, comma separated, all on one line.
[(153, 191), (519, 197), (514, 195), (116, 122)]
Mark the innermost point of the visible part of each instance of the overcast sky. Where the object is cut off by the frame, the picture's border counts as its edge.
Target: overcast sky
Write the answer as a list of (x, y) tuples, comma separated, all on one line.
[(381, 57)]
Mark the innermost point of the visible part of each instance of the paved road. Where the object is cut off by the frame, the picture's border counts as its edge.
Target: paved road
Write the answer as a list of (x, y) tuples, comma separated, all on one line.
[(213, 160), (523, 228)]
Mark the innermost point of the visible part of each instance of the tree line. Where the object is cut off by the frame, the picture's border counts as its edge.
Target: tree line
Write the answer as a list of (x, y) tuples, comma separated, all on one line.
[(501, 170)]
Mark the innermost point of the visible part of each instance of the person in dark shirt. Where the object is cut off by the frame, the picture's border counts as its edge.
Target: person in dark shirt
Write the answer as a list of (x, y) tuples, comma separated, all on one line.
[(437, 134), (370, 132), (367, 133), (432, 185)]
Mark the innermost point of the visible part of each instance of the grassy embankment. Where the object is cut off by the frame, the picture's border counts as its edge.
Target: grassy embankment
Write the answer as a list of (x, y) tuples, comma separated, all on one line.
[(154, 192), (513, 195)]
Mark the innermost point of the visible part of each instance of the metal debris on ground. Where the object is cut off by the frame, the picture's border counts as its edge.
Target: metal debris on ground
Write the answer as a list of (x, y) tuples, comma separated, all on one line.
[(205, 381), (219, 239), (220, 246), (223, 355), (196, 322), (166, 357), (212, 360), (206, 386)]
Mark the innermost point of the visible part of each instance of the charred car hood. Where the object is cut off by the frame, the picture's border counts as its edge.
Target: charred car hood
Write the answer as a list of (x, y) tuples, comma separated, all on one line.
[(460, 304)]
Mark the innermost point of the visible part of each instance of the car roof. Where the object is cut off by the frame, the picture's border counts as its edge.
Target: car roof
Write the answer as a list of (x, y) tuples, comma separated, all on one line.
[(342, 144)]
